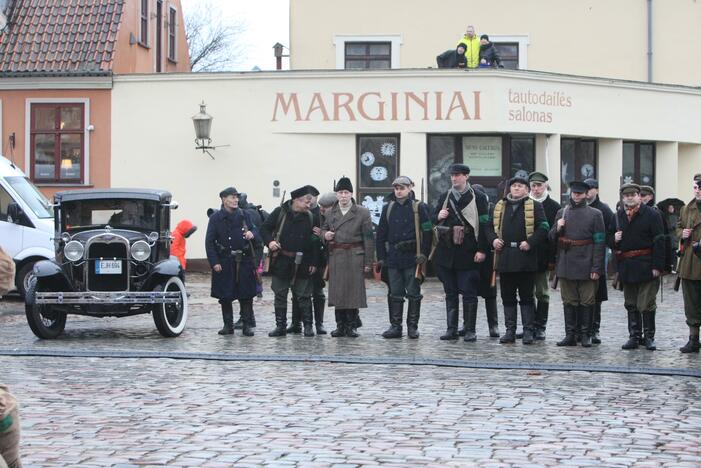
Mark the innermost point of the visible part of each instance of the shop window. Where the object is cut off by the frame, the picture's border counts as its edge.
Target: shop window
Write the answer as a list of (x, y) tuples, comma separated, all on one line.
[(638, 163), (57, 143), (368, 55), (578, 162), (378, 166)]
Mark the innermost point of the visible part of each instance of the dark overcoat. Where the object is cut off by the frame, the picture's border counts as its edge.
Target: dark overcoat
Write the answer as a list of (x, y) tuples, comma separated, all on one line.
[(547, 250), (644, 231), (396, 233)]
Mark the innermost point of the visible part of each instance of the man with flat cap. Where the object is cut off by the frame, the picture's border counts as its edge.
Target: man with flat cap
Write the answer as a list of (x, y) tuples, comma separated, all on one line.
[(289, 234), (403, 242), (519, 230), (460, 216), (546, 252), (689, 270), (579, 233), (229, 244), (640, 252), (602, 295)]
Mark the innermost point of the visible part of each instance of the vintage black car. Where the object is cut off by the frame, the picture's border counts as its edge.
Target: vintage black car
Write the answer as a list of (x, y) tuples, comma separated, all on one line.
[(112, 259)]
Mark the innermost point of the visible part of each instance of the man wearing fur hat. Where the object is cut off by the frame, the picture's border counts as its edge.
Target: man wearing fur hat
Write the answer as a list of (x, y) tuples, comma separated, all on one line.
[(519, 229), (230, 252), (289, 234), (460, 216), (347, 229), (403, 242), (640, 252), (579, 233), (689, 270)]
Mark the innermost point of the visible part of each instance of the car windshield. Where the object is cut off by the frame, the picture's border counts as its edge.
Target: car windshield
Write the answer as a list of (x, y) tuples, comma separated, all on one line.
[(36, 201), (118, 213)]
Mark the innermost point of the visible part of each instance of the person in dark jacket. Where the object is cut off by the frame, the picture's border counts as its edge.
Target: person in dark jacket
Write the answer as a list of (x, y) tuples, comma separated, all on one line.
[(489, 56), (399, 248), (546, 253), (647, 196), (640, 252), (257, 220), (578, 232), (229, 244), (453, 58), (602, 295), (689, 269), (519, 229), (289, 234), (460, 216)]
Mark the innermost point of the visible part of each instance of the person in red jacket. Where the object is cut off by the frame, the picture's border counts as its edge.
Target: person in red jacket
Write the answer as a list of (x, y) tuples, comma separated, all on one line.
[(182, 231)]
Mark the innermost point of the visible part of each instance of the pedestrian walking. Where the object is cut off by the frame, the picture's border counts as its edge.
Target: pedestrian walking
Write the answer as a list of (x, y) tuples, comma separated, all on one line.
[(689, 270), (403, 243), (639, 250), (347, 229), (579, 233), (229, 244)]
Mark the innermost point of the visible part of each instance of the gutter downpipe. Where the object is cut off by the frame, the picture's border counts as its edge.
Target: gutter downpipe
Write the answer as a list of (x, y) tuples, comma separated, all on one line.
[(649, 41)]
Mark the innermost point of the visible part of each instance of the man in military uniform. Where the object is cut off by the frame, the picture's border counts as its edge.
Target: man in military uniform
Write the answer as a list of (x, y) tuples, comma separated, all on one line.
[(579, 234), (519, 230), (602, 295), (546, 252), (640, 252), (289, 234), (689, 270), (230, 252), (403, 242), (461, 216)]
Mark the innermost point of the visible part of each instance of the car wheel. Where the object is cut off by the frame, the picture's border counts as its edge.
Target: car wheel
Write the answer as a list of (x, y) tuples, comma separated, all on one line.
[(44, 320), (24, 277), (170, 318)]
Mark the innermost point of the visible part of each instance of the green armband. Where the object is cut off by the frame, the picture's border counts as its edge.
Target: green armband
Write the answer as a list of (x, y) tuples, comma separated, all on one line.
[(427, 226), (599, 237), (484, 219)]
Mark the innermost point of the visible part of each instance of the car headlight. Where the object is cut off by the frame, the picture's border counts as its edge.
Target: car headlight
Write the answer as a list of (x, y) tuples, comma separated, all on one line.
[(140, 251), (73, 251)]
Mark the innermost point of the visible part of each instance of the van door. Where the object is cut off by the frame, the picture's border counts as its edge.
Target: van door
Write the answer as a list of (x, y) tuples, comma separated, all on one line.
[(10, 233)]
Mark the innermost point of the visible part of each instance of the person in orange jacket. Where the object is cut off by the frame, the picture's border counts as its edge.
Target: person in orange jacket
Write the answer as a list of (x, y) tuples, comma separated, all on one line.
[(182, 231)]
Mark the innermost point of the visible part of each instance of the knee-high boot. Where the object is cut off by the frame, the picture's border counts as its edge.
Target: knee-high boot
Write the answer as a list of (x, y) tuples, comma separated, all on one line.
[(351, 323), (470, 312), (451, 317), (596, 324), (692, 346), (227, 313), (340, 323), (396, 313), (246, 316), (649, 329), (319, 303), (490, 304), (280, 322), (527, 322), (412, 318), (586, 315), (570, 312), (635, 329), (307, 318), (296, 322), (510, 316), (541, 319)]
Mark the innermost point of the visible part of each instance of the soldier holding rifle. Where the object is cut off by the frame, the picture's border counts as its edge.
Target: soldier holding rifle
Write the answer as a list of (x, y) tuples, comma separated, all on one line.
[(689, 233)]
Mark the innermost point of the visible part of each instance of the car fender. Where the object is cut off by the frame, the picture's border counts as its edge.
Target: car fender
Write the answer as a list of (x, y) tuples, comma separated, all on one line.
[(34, 252), (163, 270), (51, 277)]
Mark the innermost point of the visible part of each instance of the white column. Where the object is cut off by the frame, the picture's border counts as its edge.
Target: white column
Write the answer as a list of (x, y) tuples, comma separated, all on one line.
[(689, 164), (609, 169), (551, 164), (413, 159)]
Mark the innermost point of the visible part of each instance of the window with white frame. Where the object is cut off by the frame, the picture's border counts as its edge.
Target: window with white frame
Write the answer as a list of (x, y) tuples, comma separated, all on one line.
[(513, 50), (367, 52), (172, 15)]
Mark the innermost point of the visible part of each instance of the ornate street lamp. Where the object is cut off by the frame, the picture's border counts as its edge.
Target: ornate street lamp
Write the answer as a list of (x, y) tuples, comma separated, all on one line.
[(203, 127)]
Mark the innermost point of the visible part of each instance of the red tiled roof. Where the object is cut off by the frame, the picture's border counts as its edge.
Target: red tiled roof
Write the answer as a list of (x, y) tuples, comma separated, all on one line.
[(60, 35)]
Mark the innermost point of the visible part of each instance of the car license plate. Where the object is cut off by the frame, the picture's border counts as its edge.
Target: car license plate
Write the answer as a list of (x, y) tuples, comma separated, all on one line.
[(108, 267)]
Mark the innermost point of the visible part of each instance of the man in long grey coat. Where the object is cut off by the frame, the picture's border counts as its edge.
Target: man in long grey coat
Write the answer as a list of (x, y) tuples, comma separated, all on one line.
[(581, 246), (347, 229)]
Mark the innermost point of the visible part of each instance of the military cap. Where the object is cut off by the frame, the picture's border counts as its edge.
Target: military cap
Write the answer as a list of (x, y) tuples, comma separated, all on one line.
[(647, 190), (459, 168), (537, 177), (344, 183), (228, 191), (402, 180), (577, 186), (327, 199), (518, 180), (300, 192), (312, 190), (629, 188), (592, 183)]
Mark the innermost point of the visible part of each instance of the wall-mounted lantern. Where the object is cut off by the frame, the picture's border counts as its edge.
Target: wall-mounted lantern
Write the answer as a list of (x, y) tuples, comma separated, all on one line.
[(203, 127)]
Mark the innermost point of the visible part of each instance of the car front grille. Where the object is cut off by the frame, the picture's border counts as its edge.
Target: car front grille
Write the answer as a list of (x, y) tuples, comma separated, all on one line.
[(107, 248)]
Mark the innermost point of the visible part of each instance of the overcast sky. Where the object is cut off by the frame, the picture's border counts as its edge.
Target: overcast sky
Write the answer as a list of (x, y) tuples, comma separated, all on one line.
[(267, 22)]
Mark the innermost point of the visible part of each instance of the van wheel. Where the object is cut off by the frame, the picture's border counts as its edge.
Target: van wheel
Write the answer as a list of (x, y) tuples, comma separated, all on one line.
[(24, 277), (170, 318), (44, 320)]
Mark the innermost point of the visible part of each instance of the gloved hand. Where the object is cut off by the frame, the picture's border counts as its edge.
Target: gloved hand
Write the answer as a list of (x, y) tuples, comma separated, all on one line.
[(421, 259)]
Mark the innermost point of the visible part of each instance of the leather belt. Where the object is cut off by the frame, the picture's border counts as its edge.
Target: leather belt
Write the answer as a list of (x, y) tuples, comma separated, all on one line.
[(633, 253), (565, 242), (335, 245)]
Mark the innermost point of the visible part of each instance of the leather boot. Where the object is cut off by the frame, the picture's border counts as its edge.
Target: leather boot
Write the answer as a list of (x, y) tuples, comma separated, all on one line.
[(586, 315), (577, 328), (351, 321), (412, 318), (280, 322), (596, 324), (490, 304), (510, 315), (570, 312), (451, 318), (308, 320), (295, 327), (691, 346), (227, 313), (246, 316), (649, 329), (470, 311), (396, 313), (319, 303), (527, 322), (541, 320), (635, 328), (340, 323), (238, 325)]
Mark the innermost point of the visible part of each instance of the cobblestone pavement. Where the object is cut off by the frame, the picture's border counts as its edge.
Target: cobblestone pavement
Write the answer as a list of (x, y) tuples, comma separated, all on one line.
[(104, 412)]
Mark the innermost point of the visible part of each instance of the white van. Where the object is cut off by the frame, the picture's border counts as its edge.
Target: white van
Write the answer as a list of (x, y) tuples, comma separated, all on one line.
[(26, 222)]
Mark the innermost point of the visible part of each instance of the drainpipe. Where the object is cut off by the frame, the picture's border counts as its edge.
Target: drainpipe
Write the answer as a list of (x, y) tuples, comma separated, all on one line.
[(649, 41)]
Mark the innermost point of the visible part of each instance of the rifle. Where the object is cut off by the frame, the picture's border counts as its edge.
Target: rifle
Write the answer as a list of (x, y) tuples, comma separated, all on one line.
[(270, 259), (554, 279), (420, 272), (615, 282)]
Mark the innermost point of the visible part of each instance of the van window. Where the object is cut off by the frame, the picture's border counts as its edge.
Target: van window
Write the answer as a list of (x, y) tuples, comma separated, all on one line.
[(5, 200), (36, 201)]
